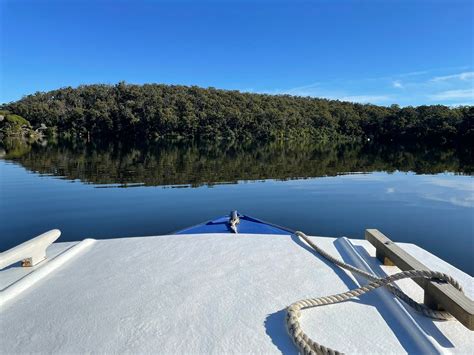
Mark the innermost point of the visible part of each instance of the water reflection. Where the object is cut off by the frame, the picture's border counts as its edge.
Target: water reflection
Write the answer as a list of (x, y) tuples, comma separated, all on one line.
[(337, 190), (164, 164)]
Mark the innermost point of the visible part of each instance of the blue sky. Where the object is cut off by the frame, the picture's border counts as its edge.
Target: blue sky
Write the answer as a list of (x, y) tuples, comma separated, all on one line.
[(407, 52)]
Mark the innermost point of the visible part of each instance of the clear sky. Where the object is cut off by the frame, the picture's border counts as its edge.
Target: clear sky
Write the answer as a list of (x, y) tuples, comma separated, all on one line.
[(408, 52)]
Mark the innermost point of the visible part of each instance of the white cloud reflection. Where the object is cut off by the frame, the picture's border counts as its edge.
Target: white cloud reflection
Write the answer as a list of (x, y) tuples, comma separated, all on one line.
[(450, 189), (455, 190)]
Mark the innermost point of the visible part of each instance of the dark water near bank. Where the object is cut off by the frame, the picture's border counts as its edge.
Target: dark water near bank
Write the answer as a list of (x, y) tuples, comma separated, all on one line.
[(417, 195)]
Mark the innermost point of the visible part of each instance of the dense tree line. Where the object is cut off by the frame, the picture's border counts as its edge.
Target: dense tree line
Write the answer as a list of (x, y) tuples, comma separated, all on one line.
[(156, 111)]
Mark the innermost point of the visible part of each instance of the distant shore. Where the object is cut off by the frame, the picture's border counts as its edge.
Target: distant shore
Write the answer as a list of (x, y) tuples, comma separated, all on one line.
[(154, 111)]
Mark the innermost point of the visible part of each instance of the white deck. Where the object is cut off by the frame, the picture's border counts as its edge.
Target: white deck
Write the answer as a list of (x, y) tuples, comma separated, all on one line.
[(214, 293)]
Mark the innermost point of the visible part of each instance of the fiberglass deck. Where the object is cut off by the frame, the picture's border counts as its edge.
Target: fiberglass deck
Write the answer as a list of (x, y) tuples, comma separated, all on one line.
[(216, 293)]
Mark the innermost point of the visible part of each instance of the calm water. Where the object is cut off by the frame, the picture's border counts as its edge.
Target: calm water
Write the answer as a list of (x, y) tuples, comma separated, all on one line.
[(420, 195)]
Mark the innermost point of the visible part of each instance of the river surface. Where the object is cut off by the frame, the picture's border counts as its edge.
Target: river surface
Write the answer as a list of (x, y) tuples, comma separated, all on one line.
[(417, 195)]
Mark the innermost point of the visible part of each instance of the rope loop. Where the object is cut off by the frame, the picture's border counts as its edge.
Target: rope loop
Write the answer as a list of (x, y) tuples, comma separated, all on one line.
[(293, 313)]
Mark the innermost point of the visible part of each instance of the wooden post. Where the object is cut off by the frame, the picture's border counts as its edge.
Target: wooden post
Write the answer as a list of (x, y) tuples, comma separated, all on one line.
[(438, 295)]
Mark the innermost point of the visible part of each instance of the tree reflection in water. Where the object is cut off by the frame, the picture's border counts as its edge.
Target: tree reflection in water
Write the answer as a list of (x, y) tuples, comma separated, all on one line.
[(194, 164)]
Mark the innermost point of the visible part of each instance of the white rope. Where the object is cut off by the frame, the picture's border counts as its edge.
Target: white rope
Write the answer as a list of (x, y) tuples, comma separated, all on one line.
[(233, 225), (308, 346)]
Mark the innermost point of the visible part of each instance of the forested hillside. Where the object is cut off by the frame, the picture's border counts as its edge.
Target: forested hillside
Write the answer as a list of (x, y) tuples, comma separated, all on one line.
[(157, 111)]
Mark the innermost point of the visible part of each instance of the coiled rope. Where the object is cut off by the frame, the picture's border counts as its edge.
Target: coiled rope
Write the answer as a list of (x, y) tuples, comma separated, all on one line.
[(308, 346)]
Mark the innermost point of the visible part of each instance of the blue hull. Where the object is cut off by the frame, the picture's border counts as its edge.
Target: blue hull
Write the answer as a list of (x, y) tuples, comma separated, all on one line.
[(246, 225)]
